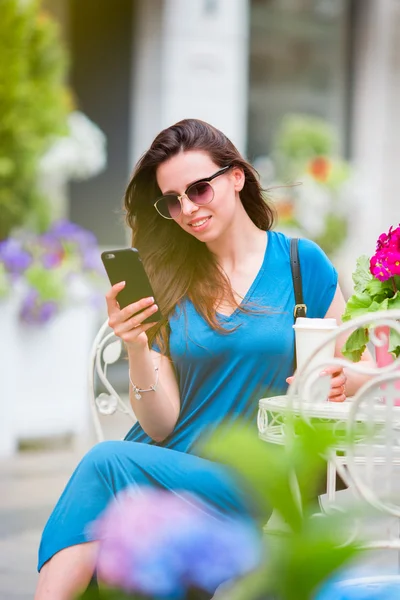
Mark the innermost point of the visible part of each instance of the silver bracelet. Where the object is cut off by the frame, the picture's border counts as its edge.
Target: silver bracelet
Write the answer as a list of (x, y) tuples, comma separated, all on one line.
[(137, 391)]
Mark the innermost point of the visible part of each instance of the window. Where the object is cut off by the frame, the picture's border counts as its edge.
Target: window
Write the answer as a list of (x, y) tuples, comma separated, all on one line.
[(300, 61)]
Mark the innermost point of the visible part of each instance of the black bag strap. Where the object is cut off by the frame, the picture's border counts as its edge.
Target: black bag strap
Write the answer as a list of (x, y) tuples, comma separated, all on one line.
[(300, 309)]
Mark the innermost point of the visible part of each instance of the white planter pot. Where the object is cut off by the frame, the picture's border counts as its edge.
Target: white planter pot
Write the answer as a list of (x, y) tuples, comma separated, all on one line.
[(8, 377), (49, 362)]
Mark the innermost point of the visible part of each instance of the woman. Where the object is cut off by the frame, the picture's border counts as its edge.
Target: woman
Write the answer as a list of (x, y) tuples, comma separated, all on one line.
[(223, 281)]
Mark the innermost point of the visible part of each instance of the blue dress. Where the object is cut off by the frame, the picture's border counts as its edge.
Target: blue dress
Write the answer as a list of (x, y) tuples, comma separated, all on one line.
[(221, 377)]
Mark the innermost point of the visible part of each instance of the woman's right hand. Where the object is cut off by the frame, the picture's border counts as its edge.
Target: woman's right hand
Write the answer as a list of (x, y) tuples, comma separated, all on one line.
[(127, 323)]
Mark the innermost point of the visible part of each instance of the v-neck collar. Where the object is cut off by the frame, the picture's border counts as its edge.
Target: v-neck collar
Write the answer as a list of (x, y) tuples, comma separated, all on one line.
[(253, 285)]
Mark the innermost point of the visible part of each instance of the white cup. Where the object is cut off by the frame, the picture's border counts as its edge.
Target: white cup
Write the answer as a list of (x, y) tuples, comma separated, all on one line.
[(310, 334)]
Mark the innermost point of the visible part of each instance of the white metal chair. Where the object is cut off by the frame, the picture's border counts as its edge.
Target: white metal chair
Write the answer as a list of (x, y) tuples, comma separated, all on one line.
[(106, 350), (367, 455)]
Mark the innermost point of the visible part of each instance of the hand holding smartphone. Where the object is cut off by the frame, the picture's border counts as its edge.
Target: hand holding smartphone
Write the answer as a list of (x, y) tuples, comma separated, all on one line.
[(126, 265)]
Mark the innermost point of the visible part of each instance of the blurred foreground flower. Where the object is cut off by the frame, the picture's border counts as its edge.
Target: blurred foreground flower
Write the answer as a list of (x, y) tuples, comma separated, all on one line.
[(160, 545), (361, 588)]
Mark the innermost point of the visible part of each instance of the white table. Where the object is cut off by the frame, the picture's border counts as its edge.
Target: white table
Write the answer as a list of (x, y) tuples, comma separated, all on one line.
[(274, 411)]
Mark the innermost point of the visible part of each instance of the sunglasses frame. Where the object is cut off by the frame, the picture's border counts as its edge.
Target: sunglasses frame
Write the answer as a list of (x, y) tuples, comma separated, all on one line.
[(203, 180)]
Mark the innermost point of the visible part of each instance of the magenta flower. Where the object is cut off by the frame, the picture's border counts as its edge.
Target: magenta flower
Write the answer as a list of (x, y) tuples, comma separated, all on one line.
[(386, 261), (161, 544)]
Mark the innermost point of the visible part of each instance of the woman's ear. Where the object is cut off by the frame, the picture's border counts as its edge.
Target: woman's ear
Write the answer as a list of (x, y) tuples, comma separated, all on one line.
[(239, 178)]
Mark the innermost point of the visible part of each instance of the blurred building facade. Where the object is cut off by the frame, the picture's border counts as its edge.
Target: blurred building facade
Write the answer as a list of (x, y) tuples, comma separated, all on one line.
[(138, 66)]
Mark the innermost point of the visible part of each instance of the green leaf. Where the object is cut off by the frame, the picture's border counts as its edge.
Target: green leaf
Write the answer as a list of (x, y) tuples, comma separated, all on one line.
[(49, 283), (379, 288), (357, 305), (302, 137), (394, 342), (334, 233), (394, 302), (105, 593), (305, 559), (284, 478), (250, 587), (4, 282), (362, 275), (267, 468), (310, 447), (377, 306), (355, 344)]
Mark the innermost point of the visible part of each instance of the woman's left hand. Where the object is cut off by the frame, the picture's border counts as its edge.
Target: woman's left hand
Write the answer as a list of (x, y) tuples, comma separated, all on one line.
[(337, 392)]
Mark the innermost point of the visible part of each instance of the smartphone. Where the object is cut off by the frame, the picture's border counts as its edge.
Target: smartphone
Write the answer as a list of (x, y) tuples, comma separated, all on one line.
[(126, 265)]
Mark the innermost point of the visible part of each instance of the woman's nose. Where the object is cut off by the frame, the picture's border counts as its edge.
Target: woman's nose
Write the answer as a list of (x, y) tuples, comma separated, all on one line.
[(188, 207)]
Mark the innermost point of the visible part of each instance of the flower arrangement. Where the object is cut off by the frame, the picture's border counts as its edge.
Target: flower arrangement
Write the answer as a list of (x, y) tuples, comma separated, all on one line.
[(376, 287), (315, 183), (49, 269)]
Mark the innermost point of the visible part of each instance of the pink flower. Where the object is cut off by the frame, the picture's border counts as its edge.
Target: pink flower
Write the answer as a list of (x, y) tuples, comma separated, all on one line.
[(386, 261), (161, 544), (379, 267)]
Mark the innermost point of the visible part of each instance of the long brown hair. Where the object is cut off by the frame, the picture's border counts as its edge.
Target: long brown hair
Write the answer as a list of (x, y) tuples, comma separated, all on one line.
[(178, 264)]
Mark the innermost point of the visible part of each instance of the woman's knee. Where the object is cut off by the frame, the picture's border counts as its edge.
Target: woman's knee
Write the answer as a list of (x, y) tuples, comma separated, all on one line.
[(102, 454)]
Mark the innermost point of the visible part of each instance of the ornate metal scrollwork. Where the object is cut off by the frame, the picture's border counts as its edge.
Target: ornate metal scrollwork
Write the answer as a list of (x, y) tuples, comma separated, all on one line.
[(107, 404), (106, 350)]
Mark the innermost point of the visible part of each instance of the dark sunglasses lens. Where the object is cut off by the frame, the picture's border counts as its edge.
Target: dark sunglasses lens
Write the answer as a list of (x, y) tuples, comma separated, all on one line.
[(200, 193), (169, 206)]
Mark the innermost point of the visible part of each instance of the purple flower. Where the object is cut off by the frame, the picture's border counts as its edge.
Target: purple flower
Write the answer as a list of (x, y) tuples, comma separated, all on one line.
[(14, 257), (51, 260), (91, 261), (161, 544), (33, 310), (46, 311), (67, 231)]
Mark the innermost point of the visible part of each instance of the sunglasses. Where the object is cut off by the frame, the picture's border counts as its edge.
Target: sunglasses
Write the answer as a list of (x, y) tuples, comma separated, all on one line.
[(200, 192)]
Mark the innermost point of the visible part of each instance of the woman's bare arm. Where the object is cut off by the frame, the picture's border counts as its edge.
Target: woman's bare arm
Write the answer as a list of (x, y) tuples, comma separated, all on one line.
[(157, 410), (353, 380)]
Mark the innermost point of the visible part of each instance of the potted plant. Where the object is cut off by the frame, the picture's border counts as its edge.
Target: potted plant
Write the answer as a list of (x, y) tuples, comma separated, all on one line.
[(34, 103), (47, 272), (315, 182), (376, 287), (51, 284), (49, 269)]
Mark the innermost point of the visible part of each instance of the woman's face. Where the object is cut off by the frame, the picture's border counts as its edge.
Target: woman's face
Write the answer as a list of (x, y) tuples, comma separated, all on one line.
[(208, 221)]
